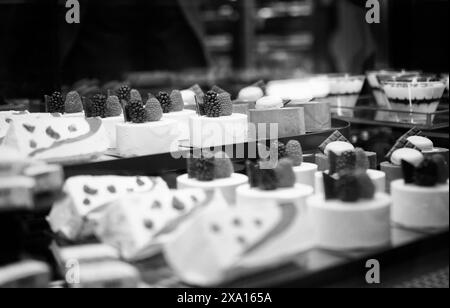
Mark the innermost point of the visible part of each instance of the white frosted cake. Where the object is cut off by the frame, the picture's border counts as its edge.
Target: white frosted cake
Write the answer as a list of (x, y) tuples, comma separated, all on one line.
[(210, 172), (342, 225), (74, 216), (57, 139), (421, 199), (146, 132), (6, 118)]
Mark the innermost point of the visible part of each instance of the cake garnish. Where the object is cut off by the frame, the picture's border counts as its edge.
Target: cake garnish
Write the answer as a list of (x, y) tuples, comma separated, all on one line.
[(55, 103), (205, 168), (225, 103), (98, 108), (351, 186), (135, 95), (253, 173), (223, 167), (73, 103), (197, 90), (177, 204), (412, 156), (111, 189), (278, 148), (113, 107), (403, 142), (269, 103), (362, 160), (136, 112), (430, 172), (211, 105), (124, 93), (177, 101), (29, 128), (285, 174), (336, 136), (165, 101), (294, 152), (154, 110), (268, 179)]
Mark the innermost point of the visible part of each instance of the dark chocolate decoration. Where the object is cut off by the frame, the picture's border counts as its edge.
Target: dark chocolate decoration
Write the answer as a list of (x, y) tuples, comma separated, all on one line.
[(427, 174), (336, 136), (178, 205), (332, 159), (329, 184), (72, 128), (90, 191), (148, 224), (33, 144), (29, 128), (112, 189), (403, 142), (140, 182), (156, 205), (52, 134), (87, 202), (408, 172)]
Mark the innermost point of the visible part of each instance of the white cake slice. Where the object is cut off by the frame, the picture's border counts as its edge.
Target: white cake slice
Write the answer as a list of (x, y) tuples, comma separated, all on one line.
[(135, 224), (6, 117), (87, 196), (209, 246), (57, 139)]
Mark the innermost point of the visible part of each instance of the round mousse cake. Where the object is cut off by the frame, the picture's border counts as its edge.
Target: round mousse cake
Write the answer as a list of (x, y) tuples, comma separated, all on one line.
[(340, 225), (420, 207), (416, 96)]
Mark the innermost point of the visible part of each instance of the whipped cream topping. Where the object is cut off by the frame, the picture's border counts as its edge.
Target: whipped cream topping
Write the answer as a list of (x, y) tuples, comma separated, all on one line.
[(251, 94), (424, 144), (269, 102), (339, 147), (412, 156), (346, 84)]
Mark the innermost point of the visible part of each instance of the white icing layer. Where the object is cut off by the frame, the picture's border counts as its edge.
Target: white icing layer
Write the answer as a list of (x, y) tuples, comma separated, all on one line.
[(210, 132), (414, 90), (420, 207), (182, 118), (147, 138), (339, 147), (345, 84), (346, 226), (110, 125)]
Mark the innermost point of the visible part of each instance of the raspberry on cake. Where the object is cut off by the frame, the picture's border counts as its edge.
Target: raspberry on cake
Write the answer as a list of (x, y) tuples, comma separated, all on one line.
[(73, 106), (210, 172), (145, 132), (350, 215), (421, 199)]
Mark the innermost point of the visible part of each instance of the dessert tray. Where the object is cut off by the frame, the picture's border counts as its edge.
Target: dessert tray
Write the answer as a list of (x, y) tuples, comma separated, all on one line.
[(394, 118)]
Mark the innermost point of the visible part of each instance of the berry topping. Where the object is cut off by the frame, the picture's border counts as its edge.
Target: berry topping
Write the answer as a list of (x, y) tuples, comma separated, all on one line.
[(427, 173), (223, 166), (347, 188), (177, 101), (135, 95), (154, 110), (165, 101), (204, 169), (113, 107), (136, 112), (294, 152), (285, 174), (211, 105), (98, 107), (366, 187), (55, 103), (124, 93), (73, 103), (362, 161), (225, 103), (442, 165)]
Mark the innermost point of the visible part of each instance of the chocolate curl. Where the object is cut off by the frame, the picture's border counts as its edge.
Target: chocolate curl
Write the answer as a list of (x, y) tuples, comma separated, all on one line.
[(336, 136), (403, 142)]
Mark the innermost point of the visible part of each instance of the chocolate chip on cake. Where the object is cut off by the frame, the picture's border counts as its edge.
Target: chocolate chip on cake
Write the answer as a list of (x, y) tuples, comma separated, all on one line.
[(52, 133), (29, 128), (148, 223), (140, 182), (157, 205), (90, 191), (33, 144), (177, 204), (72, 128), (87, 202), (112, 189)]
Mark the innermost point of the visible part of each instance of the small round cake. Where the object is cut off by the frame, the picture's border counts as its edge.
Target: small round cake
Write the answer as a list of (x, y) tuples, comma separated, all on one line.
[(420, 199), (210, 172), (349, 226), (377, 177)]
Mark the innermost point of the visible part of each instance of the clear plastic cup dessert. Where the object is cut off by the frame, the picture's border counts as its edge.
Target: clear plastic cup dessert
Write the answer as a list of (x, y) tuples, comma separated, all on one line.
[(416, 97), (344, 93)]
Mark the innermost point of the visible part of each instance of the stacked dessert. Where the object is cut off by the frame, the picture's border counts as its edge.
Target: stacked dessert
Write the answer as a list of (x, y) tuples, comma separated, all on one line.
[(272, 119), (411, 147), (216, 124), (304, 172), (350, 214), (417, 96), (420, 199), (344, 93), (342, 159), (339, 144), (208, 171), (145, 131)]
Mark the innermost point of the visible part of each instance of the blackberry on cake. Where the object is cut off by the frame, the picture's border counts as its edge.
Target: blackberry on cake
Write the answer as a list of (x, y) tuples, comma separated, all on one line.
[(98, 108), (113, 107), (279, 148), (211, 106), (177, 101), (154, 110), (346, 161), (165, 101), (124, 93), (55, 103), (136, 112)]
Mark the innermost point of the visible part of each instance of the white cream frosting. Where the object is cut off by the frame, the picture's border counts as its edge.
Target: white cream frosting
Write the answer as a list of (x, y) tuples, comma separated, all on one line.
[(424, 144), (182, 118), (412, 156), (339, 147), (251, 94), (269, 102)]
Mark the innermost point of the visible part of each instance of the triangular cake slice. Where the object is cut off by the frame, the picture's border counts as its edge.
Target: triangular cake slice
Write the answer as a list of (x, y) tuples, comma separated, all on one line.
[(136, 224), (57, 139), (216, 239), (87, 196)]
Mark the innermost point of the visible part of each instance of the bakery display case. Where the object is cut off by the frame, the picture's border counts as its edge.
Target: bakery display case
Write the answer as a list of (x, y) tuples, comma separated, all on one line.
[(221, 144)]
